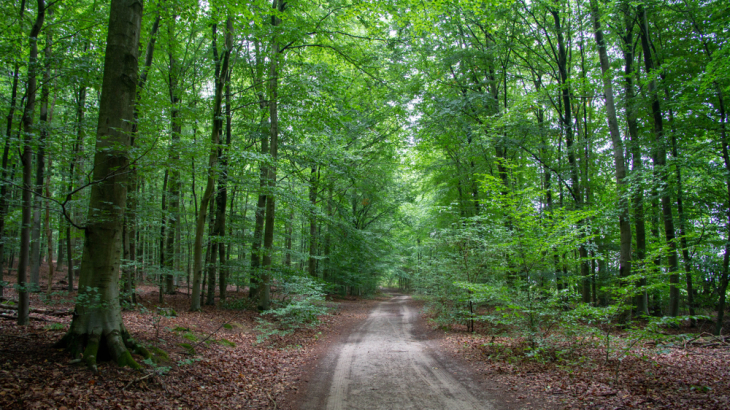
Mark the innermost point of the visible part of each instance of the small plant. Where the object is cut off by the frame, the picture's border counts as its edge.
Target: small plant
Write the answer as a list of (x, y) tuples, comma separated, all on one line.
[(190, 336), (187, 362), (188, 347), (55, 326), (267, 329), (225, 342), (157, 369)]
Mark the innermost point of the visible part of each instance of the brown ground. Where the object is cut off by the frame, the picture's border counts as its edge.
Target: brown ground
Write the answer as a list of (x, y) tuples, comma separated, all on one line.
[(247, 376), (686, 376), (287, 372)]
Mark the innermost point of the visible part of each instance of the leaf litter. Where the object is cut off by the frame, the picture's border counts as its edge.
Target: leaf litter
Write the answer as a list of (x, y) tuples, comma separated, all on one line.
[(228, 370)]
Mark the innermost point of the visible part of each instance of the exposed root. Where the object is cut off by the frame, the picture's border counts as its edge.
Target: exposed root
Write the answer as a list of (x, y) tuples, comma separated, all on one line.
[(89, 348)]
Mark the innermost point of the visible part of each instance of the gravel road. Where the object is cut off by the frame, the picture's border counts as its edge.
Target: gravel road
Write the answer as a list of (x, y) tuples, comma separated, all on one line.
[(381, 365)]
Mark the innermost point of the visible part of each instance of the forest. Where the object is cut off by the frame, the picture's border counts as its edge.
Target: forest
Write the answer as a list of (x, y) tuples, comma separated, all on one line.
[(552, 173)]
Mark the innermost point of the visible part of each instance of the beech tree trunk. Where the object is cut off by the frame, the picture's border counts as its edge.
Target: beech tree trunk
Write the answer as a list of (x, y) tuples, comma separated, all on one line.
[(6, 157), (27, 159), (265, 291), (637, 166), (313, 185), (212, 161), (97, 329), (35, 237), (618, 146), (661, 165)]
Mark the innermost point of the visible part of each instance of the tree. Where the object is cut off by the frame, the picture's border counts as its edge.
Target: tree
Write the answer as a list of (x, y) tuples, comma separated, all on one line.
[(97, 328)]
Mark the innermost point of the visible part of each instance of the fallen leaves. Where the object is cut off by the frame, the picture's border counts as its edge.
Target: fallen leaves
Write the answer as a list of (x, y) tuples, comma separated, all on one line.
[(694, 376), (232, 371)]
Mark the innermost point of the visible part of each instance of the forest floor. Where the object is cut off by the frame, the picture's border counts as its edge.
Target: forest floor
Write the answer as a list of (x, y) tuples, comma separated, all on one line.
[(578, 374), (229, 370)]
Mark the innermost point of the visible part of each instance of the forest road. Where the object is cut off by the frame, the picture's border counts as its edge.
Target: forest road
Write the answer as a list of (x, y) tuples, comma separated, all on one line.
[(382, 365)]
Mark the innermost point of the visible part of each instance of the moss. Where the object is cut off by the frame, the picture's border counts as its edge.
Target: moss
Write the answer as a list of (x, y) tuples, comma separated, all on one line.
[(227, 326), (188, 347), (159, 355), (142, 351), (180, 329), (92, 348), (125, 359), (224, 342), (190, 337)]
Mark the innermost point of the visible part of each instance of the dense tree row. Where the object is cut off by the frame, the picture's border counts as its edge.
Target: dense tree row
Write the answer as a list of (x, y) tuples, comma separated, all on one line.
[(607, 116)]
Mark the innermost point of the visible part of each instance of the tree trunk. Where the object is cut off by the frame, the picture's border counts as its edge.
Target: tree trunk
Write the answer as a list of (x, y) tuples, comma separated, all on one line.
[(6, 157), (35, 236), (313, 185), (725, 278), (567, 119), (163, 262), (618, 146), (254, 274), (264, 293), (212, 161), (27, 159), (661, 162), (97, 329), (222, 197), (637, 167), (49, 231)]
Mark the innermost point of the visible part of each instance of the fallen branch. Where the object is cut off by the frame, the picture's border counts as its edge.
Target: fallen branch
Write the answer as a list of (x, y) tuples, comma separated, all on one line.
[(139, 379), (272, 400), (208, 337), (41, 311), (15, 317)]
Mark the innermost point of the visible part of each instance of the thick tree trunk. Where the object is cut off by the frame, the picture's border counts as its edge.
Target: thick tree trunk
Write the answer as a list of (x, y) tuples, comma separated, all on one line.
[(661, 165), (27, 159), (97, 329), (130, 217)]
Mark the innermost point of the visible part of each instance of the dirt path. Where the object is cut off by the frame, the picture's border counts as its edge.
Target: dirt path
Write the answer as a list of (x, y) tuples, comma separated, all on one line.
[(382, 365)]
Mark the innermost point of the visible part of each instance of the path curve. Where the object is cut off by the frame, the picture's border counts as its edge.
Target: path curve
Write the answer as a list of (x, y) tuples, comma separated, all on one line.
[(381, 365)]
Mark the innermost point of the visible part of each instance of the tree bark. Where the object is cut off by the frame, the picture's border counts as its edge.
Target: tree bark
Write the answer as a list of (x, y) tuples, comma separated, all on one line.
[(97, 329), (35, 237), (212, 161), (6, 155), (266, 264), (567, 119), (222, 196), (27, 159), (618, 146), (313, 185), (637, 167), (661, 165)]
